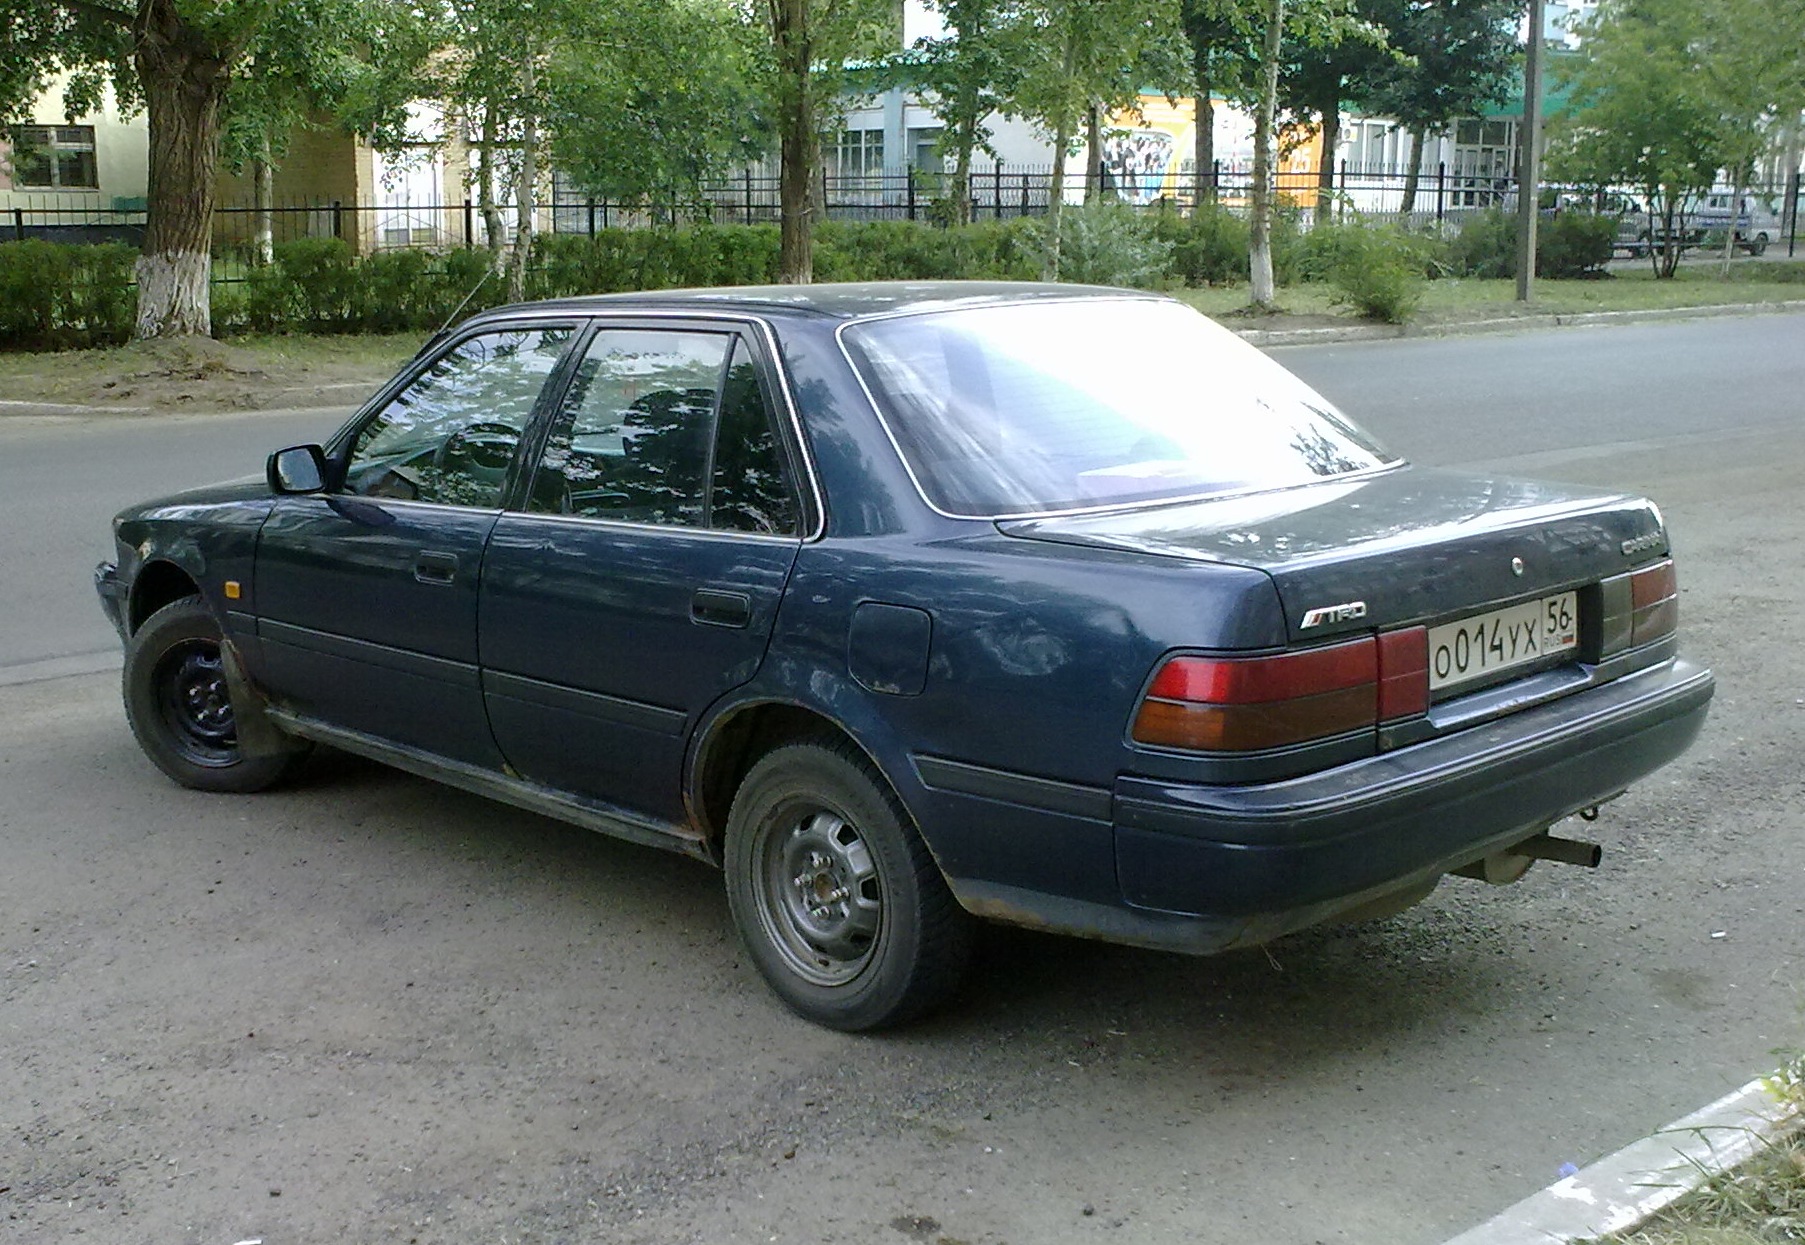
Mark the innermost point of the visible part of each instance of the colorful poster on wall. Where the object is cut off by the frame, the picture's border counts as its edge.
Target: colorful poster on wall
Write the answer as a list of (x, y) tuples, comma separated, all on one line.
[(1149, 153)]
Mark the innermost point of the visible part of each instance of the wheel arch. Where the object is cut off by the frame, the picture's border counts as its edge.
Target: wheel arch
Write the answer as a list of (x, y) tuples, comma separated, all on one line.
[(158, 583), (735, 737)]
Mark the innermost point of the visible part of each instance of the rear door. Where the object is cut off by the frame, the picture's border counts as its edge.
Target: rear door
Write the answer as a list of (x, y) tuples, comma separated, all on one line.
[(366, 597), (640, 577)]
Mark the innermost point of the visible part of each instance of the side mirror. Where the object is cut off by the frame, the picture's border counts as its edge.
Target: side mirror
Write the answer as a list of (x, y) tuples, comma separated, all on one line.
[(297, 469)]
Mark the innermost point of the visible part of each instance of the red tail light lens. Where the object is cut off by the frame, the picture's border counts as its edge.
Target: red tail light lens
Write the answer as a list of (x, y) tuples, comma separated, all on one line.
[(1243, 704), (1403, 673), (1654, 604)]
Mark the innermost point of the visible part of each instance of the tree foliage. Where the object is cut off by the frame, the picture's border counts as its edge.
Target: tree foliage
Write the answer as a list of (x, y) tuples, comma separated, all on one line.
[(1668, 93), (1086, 57), (965, 77), (186, 64)]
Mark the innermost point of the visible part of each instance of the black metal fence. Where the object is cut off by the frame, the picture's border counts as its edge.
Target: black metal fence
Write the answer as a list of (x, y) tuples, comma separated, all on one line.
[(1442, 195)]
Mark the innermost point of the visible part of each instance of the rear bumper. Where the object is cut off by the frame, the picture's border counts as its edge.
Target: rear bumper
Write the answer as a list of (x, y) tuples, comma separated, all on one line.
[(1207, 868)]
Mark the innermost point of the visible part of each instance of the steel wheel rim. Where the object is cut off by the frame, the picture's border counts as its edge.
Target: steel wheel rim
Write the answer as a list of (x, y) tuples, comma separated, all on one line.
[(819, 895), (196, 704)]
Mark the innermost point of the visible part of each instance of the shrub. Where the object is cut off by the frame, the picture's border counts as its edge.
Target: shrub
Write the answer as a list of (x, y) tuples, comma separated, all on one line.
[(1486, 246), (56, 296), (322, 284), (1377, 271), (1105, 243), (1574, 244), (1209, 247)]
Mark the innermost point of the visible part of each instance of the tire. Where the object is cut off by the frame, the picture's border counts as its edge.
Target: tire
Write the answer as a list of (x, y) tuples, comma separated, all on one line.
[(835, 896), (177, 703)]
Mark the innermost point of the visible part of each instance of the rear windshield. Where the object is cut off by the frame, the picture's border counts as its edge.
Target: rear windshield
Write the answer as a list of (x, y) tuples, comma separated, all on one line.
[(1032, 408)]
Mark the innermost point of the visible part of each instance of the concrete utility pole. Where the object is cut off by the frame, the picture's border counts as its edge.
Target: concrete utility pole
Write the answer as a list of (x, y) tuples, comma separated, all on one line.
[(1529, 163)]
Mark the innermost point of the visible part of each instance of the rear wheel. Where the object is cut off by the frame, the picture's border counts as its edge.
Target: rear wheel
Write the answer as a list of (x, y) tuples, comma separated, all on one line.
[(835, 896), (180, 708)]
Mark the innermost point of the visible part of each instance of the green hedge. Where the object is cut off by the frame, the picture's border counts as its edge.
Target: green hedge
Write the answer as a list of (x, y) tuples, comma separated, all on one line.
[(55, 297), (1568, 244)]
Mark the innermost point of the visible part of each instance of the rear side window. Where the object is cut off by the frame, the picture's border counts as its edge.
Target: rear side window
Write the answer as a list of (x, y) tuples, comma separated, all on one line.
[(669, 428), (1034, 408)]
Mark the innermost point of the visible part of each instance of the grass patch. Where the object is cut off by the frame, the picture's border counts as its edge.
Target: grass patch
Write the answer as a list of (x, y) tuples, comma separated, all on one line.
[(1761, 1203), (1453, 299)]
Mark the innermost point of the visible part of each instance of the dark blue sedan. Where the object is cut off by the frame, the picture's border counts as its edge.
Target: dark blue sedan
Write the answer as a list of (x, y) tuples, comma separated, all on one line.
[(909, 604)]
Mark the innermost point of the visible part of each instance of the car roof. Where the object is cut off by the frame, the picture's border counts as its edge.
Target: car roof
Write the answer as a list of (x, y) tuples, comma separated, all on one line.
[(846, 301)]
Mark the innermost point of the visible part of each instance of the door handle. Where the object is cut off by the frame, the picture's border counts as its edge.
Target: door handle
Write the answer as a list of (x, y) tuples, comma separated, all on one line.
[(436, 568), (721, 609)]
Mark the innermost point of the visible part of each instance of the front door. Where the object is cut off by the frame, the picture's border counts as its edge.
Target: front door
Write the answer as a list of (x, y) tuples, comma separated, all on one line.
[(640, 580), (366, 596)]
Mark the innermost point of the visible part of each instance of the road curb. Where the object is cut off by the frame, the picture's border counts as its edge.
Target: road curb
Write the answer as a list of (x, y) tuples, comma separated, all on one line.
[(1621, 1192), (1505, 324)]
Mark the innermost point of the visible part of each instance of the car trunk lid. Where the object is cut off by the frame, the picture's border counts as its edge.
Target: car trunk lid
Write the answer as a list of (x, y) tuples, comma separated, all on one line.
[(1391, 548)]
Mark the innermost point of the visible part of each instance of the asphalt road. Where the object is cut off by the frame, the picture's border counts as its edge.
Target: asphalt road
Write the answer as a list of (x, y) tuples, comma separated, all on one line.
[(367, 1008)]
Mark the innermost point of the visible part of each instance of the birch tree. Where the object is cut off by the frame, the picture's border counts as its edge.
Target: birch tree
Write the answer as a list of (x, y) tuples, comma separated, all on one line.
[(1084, 57)]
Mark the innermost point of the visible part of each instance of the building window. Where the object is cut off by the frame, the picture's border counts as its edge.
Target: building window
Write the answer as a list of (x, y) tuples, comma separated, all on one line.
[(54, 157), (923, 140), (859, 153)]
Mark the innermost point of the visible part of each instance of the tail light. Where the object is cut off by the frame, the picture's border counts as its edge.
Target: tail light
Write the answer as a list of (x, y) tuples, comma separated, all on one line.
[(1243, 704), (1639, 608)]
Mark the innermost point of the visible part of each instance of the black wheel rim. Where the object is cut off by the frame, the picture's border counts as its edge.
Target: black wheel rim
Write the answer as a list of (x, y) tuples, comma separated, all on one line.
[(819, 895), (195, 703)]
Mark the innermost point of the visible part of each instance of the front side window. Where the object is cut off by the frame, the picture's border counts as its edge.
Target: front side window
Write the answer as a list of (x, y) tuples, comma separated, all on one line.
[(450, 436), (1042, 407), (54, 157)]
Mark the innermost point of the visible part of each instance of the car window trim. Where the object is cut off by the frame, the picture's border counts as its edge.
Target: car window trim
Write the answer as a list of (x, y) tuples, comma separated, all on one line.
[(344, 441), (767, 360)]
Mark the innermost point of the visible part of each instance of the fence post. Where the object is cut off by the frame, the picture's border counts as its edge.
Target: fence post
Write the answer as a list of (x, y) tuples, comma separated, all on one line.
[(1341, 191), (19, 221), (1792, 210), (909, 175), (592, 216), (338, 219), (748, 194), (1441, 188)]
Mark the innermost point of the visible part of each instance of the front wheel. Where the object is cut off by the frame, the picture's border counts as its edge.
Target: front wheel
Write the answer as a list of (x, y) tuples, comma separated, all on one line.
[(180, 707), (835, 896)]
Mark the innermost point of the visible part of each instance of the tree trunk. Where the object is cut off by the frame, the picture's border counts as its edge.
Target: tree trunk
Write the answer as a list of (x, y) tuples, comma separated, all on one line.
[(798, 142), (184, 76), (1204, 141), (1259, 234), (263, 182), (960, 191), (1093, 153), (527, 186), (485, 181), (1325, 170), (1413, 176), (1062, 141), (1670, 240), (1730, 232)]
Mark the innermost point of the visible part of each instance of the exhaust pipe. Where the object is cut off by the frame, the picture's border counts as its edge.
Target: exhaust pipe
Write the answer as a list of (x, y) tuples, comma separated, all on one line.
[(1566, 851)]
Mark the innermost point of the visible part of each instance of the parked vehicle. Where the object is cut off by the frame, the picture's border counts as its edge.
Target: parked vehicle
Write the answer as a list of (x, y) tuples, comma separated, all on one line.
[(1757, 221), (1639, 230), (913, 604)]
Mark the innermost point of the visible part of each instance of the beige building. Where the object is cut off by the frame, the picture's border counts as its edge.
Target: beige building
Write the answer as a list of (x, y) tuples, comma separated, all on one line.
[(86, 170)]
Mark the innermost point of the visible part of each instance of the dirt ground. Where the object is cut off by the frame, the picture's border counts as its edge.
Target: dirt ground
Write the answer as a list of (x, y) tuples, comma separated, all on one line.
[(201, 374)]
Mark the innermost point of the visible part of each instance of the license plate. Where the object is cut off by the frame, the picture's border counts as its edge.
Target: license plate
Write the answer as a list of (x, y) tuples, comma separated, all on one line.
[(1518, 635)]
